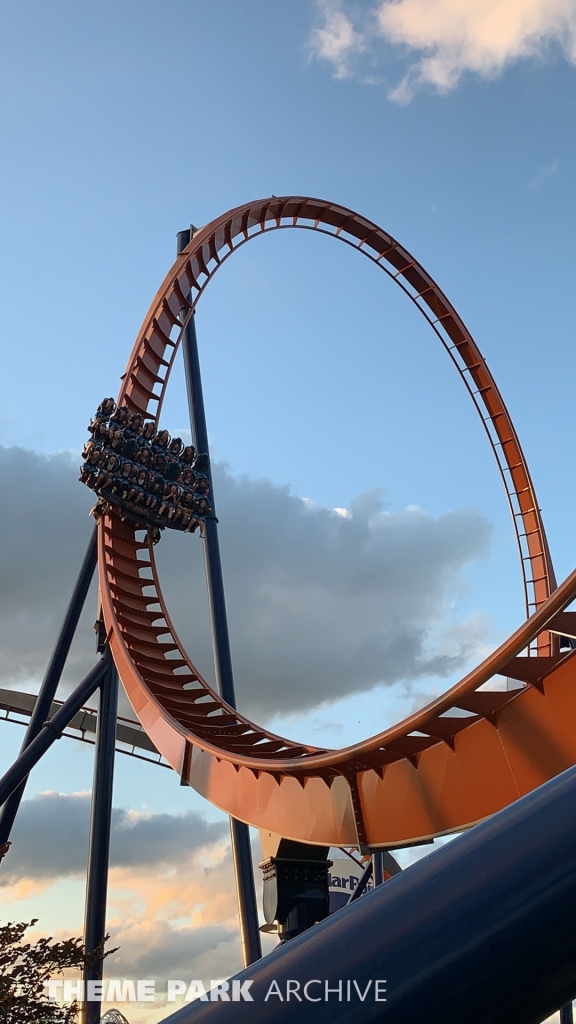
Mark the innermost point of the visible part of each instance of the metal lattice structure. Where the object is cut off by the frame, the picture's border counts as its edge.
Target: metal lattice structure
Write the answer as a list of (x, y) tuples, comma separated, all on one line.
[(113, 1017)]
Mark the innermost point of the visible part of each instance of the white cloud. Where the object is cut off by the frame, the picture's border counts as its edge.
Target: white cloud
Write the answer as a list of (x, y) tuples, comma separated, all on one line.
[(320, 604), (483, 36), (543, 174), (323, 605), (335, 40), (50, 838), (160, 950), (453, 37), (172, 906), (45, 530)]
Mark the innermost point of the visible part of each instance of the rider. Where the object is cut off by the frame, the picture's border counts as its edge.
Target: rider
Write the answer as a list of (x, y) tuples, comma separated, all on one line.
[(201, 462), (148, 431), (169, 501), (124, 479), (122, 417), (141, 485), (143, 455), (155, 491), (89, 471), (188, 455), (106, 408)]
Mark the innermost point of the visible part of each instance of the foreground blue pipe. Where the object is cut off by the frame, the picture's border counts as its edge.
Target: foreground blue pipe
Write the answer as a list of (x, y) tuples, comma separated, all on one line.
[(483, 931)]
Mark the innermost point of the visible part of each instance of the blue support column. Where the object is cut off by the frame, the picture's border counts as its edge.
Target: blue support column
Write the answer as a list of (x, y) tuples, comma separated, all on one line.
[(212, 560), (50, 681), (100, 826), (247, 906), (378, 861), (51, 731), (566, 1014)]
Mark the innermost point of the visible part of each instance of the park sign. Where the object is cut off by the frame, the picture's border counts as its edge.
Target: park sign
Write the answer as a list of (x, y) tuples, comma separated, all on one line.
[(343, 877)]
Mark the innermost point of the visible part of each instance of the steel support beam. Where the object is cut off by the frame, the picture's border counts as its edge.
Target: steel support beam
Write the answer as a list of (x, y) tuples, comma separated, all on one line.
[(212, 559), (363, 882), (52, 677), (246, 892), (100, 826), (127, 730), (51, 731), (378, 867), (247, 906)]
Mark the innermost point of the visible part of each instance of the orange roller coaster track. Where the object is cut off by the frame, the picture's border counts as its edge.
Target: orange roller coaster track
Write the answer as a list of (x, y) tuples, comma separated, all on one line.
[(464, 756)]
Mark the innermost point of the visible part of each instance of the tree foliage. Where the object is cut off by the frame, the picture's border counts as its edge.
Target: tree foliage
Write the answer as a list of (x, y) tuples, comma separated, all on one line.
[(26, 966)]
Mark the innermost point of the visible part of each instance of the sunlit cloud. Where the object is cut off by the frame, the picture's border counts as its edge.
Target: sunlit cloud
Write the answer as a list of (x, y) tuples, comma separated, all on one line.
[(50, 840), (172, 907), (201, 894), (335, 39), (442, 40)]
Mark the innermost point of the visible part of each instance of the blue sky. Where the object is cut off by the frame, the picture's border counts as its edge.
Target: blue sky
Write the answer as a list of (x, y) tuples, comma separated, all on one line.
[(122, 123)]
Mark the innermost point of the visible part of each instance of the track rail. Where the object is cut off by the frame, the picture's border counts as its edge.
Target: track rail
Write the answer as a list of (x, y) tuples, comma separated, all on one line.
[(464, 756), (16, 707)]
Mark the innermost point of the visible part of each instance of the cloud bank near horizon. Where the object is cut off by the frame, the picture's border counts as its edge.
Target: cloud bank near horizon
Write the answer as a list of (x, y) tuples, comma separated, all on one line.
[(321, 602), (50, 839), (442, 40), (172, 905)]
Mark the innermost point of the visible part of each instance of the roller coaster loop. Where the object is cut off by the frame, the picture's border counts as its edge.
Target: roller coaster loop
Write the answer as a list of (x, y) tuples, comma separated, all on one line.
[(471, 751)]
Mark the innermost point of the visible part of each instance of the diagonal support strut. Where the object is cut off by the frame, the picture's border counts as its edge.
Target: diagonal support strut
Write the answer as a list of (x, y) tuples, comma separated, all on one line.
[(51, 679)]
